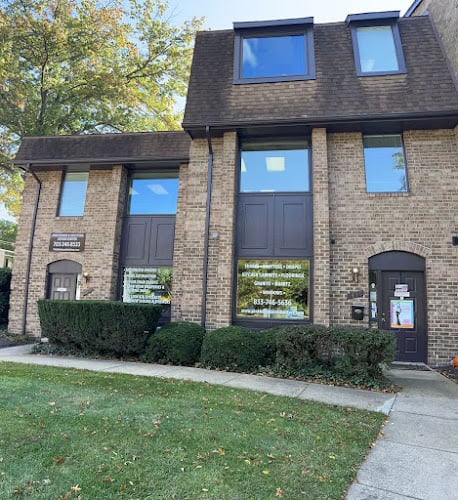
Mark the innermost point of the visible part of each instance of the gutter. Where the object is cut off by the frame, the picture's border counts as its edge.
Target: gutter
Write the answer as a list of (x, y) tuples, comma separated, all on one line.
[(312, 121), (30, 249), (412, 8), (115, 160), (207, 226)]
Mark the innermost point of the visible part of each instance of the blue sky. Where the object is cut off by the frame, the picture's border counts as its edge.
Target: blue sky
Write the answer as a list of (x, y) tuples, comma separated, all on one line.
[(221, 15), (4, 214)]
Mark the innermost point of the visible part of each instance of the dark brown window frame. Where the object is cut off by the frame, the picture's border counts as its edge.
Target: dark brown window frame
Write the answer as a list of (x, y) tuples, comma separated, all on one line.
[(389, 19), (308, 255), (270, 29)]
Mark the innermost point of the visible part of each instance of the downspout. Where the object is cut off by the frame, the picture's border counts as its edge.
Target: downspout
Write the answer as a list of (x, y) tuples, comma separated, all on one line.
[(207, 226), (30, 249)]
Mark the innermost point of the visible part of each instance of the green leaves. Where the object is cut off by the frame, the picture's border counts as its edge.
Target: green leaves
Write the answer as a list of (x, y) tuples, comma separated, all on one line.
[(77, 67), (70, 67)]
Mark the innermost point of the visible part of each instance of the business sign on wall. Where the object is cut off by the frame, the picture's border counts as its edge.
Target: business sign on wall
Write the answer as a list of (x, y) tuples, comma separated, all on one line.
[(273, 289), (67, 242), (147, 285)]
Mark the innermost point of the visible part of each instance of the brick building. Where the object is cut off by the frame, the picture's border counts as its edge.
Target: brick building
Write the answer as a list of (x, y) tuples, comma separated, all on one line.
[(316, 180)]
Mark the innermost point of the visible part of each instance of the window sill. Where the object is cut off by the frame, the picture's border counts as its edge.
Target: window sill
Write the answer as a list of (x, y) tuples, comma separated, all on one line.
[(380, 73), (390, 194)]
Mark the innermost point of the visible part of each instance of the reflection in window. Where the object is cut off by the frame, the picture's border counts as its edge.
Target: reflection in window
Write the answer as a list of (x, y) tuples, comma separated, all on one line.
[(274, 168), (73, 197), (274, 56), (153, 193), (385, 164), (378, 50)]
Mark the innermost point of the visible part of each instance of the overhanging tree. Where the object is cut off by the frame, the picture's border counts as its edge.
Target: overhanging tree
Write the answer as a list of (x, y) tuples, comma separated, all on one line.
[(8, 231), (86, 66)]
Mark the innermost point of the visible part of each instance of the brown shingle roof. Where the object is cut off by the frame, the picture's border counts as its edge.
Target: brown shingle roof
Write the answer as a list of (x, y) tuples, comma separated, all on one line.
[(105, 148), (336, 94)]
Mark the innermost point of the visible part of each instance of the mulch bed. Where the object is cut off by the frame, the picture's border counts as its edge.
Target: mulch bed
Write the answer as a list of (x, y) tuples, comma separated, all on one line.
[(449, 372), (6, 343)]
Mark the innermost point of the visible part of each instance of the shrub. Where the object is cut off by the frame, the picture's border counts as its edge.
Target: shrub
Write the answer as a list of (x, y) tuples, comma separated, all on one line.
[(5, 282), (361, 351), (303, 348), (238, 348), (98, 327), (177, 343), (349, 353)]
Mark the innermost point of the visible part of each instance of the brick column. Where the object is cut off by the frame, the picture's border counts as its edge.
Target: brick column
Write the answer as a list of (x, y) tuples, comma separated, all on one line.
[(222, 230), (189, 249), (321, 228)]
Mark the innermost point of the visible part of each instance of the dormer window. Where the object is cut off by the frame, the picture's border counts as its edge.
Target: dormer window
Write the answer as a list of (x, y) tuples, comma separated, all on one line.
[(274, 51), (377, 44)]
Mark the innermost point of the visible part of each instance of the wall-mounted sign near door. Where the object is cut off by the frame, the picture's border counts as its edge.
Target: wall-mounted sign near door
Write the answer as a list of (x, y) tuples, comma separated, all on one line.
[(67, 242)]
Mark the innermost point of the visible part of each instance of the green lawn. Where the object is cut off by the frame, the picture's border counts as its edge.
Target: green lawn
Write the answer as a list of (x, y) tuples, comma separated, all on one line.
[(68, 434)]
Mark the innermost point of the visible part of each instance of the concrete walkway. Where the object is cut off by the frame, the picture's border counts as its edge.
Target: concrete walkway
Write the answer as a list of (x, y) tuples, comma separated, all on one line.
[(416, 456)]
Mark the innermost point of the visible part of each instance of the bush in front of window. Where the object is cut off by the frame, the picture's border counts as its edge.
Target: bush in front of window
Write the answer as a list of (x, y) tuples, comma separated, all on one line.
[(5, 281), (238, 348), (350, 354), (177, 343), (98, 327)]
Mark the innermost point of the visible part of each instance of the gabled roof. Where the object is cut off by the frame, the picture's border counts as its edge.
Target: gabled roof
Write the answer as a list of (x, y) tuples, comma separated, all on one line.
[(105, 148), (337, 95)]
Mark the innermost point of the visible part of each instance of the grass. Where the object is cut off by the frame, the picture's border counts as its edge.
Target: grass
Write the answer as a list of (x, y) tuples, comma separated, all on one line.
[(69, 434)]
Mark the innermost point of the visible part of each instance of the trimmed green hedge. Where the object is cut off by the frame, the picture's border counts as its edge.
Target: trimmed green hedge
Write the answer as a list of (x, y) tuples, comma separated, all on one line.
[(5, 282), (351, 353), (177, 343), (238, 348), (98, 327)]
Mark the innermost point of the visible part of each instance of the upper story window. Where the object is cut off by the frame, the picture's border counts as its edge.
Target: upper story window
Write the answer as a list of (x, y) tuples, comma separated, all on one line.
[(275, 167), (377, 44), (273, 51), (73, 195), (153, 193), (385, 162)]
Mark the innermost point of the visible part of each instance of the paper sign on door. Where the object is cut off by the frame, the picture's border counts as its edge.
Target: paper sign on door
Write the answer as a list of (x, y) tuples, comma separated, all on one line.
[(402, 314)]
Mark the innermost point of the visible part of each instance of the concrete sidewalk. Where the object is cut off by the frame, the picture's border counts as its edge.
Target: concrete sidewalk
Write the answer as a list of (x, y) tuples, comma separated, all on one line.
[(416, 456)]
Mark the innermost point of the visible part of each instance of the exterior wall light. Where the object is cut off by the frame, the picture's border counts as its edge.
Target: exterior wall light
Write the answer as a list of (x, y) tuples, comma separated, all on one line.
[(87, 277), (355, 273)]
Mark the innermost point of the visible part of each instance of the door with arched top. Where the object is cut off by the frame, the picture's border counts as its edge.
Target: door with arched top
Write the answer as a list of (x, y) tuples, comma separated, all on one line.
[(398, 301), (63, 279)]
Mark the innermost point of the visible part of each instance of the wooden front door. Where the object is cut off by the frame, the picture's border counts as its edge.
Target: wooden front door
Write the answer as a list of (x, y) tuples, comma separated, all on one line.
[(403, 312), (62, 286)]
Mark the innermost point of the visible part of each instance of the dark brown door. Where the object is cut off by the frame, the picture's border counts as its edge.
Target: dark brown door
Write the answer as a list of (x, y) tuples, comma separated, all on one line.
[(62, 286), (403, 312)]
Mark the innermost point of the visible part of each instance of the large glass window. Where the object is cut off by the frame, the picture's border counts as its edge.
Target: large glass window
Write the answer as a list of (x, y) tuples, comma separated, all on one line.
[(73, 196), (273, 289), (274, 56), (274, 51), (153, 193), (273, 168), (385, 164), (378, 50)]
